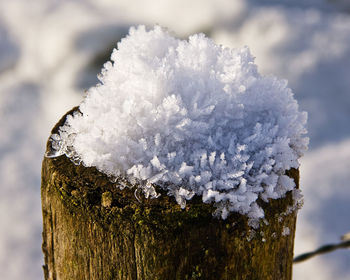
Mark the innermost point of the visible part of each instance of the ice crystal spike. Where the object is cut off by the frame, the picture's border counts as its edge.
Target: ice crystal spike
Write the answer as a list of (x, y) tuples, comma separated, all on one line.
[(55, 147), (53, 153), (113, 179)]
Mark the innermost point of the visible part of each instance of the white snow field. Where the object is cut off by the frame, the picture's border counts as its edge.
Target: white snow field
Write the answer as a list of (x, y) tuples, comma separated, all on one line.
[(52, 51)]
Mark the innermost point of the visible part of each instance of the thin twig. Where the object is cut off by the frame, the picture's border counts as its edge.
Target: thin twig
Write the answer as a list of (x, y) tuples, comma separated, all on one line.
[(322, 250)]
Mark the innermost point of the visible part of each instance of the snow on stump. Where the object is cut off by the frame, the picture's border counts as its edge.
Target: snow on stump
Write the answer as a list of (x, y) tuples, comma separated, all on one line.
[(181, 164)]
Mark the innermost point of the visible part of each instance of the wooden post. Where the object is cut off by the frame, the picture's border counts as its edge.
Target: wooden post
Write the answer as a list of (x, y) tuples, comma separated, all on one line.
[(94, 230)]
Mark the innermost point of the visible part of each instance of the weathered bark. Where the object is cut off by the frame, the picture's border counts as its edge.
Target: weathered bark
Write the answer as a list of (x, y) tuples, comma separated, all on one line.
[(94, 230)]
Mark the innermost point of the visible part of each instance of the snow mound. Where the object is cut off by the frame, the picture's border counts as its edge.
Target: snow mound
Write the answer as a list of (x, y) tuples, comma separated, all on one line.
[(192, 117)]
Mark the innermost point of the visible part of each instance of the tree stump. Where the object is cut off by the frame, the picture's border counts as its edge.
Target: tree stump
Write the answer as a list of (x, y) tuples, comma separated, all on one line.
[(94, 230)]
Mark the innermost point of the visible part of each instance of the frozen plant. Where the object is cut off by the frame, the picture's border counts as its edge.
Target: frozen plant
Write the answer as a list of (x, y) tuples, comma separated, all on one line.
[(191, 117)]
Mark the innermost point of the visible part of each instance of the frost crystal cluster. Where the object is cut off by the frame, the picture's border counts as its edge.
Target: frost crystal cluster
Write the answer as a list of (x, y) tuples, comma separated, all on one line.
[(192, 117)]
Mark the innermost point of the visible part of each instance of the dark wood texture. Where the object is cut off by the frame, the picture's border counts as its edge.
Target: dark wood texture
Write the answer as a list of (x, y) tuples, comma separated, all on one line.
[(94, 230)]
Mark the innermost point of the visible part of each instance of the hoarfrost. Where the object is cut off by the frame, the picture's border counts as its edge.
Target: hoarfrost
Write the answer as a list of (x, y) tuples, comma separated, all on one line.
[(286, 231), (192, 117)]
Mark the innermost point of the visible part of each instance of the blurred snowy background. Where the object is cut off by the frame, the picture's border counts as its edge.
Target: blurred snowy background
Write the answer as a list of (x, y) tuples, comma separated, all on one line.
[(51, 51)]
